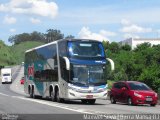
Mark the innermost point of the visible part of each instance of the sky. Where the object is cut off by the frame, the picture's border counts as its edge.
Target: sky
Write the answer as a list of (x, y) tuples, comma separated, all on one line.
[(112, 20)]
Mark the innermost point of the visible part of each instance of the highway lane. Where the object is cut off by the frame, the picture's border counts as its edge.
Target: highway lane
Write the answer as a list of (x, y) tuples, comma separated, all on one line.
[(12, 102), (5, 88), (19, 105), (29, 110)]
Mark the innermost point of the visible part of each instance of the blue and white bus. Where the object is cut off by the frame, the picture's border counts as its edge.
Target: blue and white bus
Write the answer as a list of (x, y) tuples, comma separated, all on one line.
[(70, 69)]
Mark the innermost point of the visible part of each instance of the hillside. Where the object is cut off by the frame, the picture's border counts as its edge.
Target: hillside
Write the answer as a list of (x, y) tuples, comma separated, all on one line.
[(19, 50), (6, 56)]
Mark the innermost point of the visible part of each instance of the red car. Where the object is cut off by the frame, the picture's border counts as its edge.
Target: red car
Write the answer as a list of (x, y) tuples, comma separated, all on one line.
[(22, 80), (133, 93)]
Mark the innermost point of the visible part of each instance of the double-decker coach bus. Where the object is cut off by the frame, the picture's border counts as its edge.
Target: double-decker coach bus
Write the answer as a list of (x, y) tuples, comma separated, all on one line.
[(67, 69)]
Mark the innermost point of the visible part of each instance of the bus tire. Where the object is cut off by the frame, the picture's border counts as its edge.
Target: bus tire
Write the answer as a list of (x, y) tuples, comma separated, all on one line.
[(84, 101), (53, 98), (30, 92), (58, 99), (33, 93), (92, 101)]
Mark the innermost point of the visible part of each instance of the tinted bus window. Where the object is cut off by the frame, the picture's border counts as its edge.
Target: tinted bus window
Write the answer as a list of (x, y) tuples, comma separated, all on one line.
[(62, 48), (45, 63)]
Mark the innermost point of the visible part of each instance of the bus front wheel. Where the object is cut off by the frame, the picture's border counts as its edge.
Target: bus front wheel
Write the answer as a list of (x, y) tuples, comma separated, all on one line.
[(92, 101), (84, 101)]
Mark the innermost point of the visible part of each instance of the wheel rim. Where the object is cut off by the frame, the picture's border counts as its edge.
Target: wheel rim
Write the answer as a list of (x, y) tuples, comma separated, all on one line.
[(129, 101), (112, 100)]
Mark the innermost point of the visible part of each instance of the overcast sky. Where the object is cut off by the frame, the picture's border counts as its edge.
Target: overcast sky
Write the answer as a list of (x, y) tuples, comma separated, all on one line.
[(112, 20)]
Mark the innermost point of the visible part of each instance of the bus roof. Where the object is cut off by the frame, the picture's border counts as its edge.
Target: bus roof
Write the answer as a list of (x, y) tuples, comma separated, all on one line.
[(41, 46), (54, 42)]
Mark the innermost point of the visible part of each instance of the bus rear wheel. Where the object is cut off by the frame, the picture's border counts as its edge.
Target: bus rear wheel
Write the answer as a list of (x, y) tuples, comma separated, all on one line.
[(30, 92), (58, 99), (53, 98), (33, 94)]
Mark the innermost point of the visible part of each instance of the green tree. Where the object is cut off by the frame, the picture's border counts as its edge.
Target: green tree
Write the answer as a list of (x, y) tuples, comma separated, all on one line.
[(37, 36), (114, 47), (16, 39), (34, 36), (106, 45), (142, 46), (126, 47), (53, 34), (69, 37), (151, 76)]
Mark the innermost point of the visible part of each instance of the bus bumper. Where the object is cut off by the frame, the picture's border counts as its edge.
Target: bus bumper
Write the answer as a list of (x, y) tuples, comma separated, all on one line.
[(78, 95)]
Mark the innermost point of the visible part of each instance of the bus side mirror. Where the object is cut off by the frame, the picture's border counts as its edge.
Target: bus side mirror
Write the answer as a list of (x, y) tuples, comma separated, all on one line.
[(111, 62), (67, 63)]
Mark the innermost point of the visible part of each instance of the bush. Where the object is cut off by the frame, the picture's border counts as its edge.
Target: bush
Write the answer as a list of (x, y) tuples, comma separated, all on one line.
[(110, 83)]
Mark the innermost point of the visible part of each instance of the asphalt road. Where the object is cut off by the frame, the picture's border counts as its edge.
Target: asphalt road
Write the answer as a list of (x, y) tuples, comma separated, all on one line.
[(13, 101)]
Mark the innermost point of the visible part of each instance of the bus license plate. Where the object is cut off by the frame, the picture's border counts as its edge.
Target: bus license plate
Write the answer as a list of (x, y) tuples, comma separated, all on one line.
[(148, 99), (89, 96)]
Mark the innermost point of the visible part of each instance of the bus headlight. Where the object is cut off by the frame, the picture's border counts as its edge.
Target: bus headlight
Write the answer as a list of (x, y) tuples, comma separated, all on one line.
[(102, 90), (70, 87)]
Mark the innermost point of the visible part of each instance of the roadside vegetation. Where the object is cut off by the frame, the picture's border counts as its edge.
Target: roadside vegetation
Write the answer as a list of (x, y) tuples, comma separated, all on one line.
[(18, 50), (13, 55), (141, 64), (6, 56)]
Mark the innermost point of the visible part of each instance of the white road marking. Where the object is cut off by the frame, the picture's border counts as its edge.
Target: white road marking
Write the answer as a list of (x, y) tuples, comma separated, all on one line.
[(4, 94), (54, 105)]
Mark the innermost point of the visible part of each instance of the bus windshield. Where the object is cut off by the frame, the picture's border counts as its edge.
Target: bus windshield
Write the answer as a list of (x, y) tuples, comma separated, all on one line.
[(83, 75), (85, 49)]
